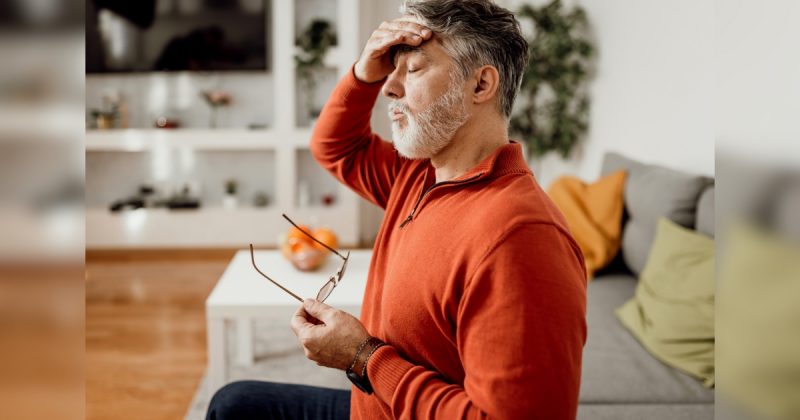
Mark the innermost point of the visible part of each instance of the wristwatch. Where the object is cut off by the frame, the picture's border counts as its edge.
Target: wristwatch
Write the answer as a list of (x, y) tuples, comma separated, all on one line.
[(365, 350), (360, 383)]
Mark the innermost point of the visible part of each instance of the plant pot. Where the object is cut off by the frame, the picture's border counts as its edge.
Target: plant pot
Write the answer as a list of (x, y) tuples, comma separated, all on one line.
[(230, 202)]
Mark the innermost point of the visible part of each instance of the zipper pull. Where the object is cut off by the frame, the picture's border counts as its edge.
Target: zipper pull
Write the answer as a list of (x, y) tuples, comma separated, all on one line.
[(405, 222)]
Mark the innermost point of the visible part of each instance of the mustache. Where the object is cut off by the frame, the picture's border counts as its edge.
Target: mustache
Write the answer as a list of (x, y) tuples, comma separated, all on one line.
[(398, 107)]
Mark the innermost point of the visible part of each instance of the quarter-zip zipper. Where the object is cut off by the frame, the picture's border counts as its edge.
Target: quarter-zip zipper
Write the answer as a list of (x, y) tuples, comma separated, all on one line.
[(424, 193)]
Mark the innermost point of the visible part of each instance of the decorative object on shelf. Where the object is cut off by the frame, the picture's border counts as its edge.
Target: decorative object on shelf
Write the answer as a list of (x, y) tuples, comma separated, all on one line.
[(230, 201), (304, 253), (315, 41), (328, 199), (130, 203), (147, 197), (112, 114), (144, 198), (102, 120), (554, 112), (183, 200), (261, 199), (166, 122), (216, 99)]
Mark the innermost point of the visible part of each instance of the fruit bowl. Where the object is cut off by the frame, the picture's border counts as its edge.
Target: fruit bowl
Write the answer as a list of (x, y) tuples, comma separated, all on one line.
[(305, 253), (309, 258)]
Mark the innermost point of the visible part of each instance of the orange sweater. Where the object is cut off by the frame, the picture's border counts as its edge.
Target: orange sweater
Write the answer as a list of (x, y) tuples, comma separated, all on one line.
[(476, 283)]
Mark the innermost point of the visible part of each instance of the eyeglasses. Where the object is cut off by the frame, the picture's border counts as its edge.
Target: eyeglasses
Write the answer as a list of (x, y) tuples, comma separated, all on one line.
[(326, 289)]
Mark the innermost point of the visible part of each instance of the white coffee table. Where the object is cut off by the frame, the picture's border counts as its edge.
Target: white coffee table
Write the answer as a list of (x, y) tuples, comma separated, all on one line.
[(242, 295)]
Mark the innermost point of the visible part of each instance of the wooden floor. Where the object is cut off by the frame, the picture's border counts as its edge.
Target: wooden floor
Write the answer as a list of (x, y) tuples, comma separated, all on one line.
[(145, 331)]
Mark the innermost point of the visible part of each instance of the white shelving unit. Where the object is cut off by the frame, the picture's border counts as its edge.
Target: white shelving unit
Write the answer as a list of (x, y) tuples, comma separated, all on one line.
[(211, 227)]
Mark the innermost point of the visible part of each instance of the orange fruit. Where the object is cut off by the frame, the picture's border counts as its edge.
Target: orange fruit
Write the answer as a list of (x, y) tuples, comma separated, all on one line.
[(294, 237), (327, 237), (293, 245), (295, 233), (306, 257)]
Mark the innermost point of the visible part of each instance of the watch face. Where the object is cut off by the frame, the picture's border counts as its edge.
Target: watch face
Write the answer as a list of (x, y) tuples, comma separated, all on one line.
[(360, 383)]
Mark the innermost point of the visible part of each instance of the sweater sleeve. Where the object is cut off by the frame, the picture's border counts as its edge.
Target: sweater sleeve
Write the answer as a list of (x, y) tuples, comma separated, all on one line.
[(521, 327), (344, 144)]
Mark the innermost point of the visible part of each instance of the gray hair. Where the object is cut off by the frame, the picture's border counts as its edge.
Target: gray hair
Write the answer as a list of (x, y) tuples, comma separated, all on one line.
[(476, 33)]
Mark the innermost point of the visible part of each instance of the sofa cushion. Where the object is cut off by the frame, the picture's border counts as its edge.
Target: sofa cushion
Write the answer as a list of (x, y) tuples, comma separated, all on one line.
[(652, 192), (616, 368), (757, 320), (646, 411), (672, 314), (594, 215), (705, 212)]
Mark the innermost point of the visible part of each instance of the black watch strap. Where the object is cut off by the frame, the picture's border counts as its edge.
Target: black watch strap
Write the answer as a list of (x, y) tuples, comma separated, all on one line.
[(360, 383)]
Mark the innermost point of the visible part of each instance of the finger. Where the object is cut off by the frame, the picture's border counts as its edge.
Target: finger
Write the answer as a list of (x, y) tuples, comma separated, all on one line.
[(318, 309), (384, 34), (408, 37), (390, 41), (410, 25), (300, 321)]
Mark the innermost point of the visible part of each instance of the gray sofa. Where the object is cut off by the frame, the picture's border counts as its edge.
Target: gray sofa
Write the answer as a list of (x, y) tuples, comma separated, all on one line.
[(621, 380)]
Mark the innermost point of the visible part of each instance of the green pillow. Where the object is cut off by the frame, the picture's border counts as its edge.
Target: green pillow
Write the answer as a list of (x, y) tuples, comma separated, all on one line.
[(672, 313), (758, 323)]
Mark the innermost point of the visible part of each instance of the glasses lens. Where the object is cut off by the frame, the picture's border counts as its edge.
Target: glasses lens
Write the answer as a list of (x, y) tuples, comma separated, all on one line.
[(326, 290)]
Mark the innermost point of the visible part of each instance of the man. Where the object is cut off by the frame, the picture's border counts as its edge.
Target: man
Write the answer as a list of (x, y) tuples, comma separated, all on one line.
[(475, 301)]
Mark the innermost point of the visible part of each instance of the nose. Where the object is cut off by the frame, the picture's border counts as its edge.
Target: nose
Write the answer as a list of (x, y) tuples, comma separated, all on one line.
[(393, 87)]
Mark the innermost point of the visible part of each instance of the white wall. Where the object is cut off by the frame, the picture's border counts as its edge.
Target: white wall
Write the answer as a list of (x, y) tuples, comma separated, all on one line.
[(758, 79), (652, 90)]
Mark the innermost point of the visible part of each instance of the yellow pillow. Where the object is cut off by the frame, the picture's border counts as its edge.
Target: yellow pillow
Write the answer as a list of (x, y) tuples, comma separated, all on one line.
[(594, 215), (758, 323), (672, 313)]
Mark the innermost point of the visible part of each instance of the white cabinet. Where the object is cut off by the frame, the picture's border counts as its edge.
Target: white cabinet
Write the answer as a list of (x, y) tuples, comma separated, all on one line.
[(278, 153)]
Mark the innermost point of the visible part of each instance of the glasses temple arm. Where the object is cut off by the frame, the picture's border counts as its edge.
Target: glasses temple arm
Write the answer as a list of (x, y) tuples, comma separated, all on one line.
[(312, 237), (253, 259)]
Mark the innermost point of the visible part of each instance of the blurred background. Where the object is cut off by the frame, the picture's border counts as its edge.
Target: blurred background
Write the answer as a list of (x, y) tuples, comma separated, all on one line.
[(41, 209), (143, 144)]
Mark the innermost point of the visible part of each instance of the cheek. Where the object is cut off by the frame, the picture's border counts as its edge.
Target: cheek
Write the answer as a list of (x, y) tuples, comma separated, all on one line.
[(417, 98)]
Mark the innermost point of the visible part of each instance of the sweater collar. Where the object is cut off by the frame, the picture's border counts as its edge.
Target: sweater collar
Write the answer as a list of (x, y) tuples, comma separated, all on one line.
[(506, 159)]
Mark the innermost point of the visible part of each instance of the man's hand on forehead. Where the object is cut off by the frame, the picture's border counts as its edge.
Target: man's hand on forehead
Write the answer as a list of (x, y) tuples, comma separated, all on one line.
[(377, 59), (414, 24)]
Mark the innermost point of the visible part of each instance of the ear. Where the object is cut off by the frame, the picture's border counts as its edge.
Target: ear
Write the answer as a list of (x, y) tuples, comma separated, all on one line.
[(486, 80)]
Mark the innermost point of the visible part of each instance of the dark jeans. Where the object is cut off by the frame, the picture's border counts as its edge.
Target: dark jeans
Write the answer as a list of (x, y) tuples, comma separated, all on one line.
[(251, 400)]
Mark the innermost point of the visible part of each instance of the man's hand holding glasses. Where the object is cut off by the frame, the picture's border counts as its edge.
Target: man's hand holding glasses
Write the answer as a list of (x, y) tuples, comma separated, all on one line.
[(329, 336)]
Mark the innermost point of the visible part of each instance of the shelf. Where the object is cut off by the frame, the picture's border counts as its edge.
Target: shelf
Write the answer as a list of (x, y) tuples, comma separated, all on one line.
[(137, 140), (313, 181), (210, 227), (274, 159)]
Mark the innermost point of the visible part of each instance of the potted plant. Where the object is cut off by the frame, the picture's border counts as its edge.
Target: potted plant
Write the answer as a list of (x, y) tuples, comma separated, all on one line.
[(553, 112), (315, 41), (230, 201)]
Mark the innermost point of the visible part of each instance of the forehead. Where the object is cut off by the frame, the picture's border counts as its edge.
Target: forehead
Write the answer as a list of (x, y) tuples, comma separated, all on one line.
[(429, 50)]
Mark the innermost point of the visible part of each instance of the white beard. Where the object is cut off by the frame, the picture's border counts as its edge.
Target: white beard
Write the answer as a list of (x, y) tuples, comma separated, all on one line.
[(427, 134)]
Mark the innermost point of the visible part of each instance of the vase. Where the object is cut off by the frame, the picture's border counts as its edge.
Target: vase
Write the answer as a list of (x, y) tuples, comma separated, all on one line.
[(229, 201), (213, 117)]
